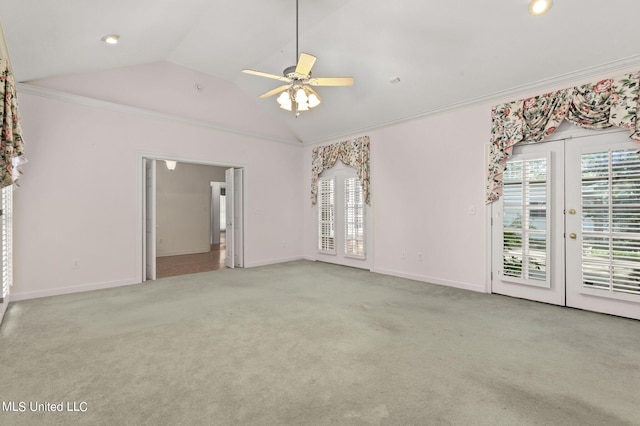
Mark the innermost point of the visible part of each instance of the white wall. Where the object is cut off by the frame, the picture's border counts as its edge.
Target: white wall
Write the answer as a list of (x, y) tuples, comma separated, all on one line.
[(183, 207), (425, 176), (4, 51), (80, 198)]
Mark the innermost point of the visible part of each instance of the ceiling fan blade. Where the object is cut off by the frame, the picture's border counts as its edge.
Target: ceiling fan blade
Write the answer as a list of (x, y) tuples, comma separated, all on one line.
[(305, 63), (331, 81), (264, 74), (275, 91)]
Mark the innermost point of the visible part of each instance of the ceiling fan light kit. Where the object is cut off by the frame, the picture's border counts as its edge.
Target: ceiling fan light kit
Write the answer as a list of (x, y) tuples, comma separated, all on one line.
[(297, 94)]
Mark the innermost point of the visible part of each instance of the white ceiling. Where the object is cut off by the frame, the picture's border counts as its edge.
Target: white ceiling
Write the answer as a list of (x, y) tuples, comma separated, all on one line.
[(446, 53)]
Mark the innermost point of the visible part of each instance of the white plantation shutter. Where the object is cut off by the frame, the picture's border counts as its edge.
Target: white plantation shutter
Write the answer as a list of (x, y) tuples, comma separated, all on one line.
[(6, 204), (353, 218), (525, 221), (611, 221), (326, 215)]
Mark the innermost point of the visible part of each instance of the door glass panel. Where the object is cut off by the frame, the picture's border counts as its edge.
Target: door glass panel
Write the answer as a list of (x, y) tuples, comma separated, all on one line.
[(353, 217), (525, 218), (326, 215), (611, 220)]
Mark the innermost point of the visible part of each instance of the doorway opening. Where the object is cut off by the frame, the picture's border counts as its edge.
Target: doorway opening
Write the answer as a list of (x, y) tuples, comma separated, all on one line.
[(185, 229)]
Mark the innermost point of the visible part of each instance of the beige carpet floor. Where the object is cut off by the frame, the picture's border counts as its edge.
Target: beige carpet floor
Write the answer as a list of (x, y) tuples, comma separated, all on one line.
[(306, 343)]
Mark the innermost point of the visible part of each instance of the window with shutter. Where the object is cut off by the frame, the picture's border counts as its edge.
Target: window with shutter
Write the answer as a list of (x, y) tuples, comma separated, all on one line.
[(353, 218), (525, 221), (611, 220), (326, 215), (6, 204)]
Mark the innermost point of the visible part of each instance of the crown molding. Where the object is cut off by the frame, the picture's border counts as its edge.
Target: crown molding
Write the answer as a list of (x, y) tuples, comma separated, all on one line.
[(545, 85), (97, 103), (561, 81)]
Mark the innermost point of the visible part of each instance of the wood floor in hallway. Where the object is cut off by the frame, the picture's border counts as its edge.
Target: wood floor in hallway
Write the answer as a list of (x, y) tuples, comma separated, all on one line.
[(171, 266)]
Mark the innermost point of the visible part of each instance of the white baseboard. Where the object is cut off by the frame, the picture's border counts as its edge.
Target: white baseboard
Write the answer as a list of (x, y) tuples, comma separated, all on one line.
[(272, 261), (432, 280), (15, 297), (3, 307)]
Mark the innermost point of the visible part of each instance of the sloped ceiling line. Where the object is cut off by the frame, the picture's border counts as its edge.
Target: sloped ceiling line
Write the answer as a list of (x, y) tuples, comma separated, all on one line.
[(97, 103)]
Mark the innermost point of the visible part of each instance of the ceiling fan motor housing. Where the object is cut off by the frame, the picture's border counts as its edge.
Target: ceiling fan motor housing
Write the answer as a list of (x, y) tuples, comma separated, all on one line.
[(290, 72)]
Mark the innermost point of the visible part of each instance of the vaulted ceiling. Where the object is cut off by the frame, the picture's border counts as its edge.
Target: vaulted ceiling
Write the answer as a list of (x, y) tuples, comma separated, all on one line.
[(446, 54)]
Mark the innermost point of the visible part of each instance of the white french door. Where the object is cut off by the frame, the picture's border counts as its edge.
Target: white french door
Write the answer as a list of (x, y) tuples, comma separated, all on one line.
[(603, 225), (343, 219), (149, 213), (230, 260), (567, 229), (234, 207), (528, 226)]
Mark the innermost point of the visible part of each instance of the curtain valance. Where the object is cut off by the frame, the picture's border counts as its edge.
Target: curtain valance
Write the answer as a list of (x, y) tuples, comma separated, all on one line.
[(11, 142), (611, 102), (353, 153)]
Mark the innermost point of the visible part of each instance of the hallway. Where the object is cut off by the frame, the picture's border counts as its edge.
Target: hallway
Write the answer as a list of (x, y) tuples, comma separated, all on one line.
[(214, 260)]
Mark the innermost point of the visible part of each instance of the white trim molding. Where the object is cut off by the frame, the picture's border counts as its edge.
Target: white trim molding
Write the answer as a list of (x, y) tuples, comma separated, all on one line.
[(16, 297)]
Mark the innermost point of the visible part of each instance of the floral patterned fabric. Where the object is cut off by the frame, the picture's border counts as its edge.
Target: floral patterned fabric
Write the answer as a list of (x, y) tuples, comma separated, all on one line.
[(11, 143), (353, 153), (590, 105), (607, 103), (543, 114)]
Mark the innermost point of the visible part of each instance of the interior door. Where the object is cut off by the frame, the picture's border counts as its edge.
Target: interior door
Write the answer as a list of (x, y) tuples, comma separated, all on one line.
[(230, 204), (238, 224), (149, 208), (603, 225), (528, 226)]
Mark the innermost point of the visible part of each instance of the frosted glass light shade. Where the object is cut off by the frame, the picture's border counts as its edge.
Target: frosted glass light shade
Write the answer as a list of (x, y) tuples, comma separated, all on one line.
[(313, 101), (301, 96)]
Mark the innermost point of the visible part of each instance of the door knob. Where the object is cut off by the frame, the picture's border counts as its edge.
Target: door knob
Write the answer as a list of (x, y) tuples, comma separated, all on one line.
[(572, 211), (572, 236)]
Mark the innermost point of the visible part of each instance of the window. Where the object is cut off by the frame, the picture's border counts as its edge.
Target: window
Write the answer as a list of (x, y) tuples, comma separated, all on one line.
[(525, 221), (353, 218), (326, 215), (6, 223), (611, 221)]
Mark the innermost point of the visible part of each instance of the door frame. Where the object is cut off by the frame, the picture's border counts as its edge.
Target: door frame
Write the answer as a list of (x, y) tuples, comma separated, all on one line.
[(140, 182)]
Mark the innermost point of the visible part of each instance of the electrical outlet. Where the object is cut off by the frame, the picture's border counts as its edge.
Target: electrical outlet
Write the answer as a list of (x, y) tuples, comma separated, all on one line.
[(420, 258), (472, 210), (75, 264), (403, 255)]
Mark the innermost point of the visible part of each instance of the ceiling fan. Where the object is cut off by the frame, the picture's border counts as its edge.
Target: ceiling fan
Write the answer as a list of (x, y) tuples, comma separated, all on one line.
[(297, 94)]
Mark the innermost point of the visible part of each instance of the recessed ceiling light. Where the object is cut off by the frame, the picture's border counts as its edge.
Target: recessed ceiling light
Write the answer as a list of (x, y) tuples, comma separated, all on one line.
[(111, 38), (540, 7)]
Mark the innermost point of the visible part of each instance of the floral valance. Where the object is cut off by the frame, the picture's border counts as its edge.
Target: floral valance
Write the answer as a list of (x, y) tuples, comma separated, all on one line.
[(611, 102), (11, 143), (353, 153)]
